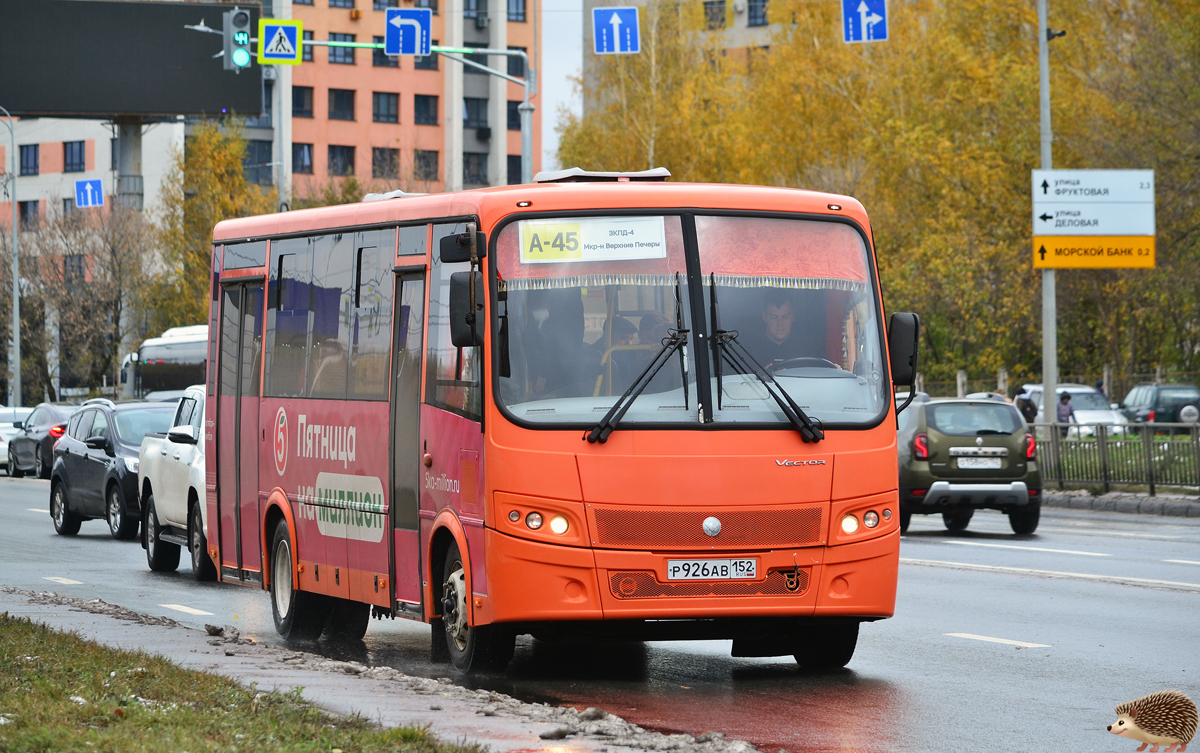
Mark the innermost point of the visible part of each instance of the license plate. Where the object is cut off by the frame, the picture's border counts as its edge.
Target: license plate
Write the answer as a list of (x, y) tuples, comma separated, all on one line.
[(712, 569), (980, 463)]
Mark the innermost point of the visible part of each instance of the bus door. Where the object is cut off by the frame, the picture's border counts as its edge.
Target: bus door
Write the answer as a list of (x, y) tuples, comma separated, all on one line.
[(407, 360), (237, 420)]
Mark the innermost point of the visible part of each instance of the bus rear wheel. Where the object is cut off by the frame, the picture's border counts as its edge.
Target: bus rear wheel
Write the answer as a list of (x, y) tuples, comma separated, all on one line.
[(826, 646), (471, 647), (299, 615)]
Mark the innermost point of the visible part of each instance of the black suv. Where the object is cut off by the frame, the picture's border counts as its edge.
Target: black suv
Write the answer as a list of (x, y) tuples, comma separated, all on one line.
[(1162, 403), (95, 471)]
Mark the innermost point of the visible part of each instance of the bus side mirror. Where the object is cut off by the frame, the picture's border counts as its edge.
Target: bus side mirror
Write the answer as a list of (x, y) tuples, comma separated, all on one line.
[(466, 324), (904, 334), (457, 248)]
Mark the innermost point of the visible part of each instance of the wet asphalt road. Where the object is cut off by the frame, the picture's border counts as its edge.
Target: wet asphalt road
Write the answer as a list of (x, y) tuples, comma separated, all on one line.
[(1115, 618)]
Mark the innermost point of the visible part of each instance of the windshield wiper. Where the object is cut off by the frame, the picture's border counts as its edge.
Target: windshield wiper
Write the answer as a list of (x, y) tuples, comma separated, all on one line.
[(676, 340), (727, 347)]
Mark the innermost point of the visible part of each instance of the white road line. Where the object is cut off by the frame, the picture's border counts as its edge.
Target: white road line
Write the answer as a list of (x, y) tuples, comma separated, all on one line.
[(1183, 562), (1026, 548), (37, 509), (1005, 641), (186, 610), (1157, 537), (63, 581), (1056, 574)]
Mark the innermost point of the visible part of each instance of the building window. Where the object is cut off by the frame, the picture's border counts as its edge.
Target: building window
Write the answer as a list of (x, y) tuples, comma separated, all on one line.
[(74, 157), (714, 14), (256, 163), (425, 165), (385, 107), (68, 206), (341, 104), (341, 3), (758, 13), (516, 10), (307, 53), (29, 211), (426, 63), (341, 160), (514, 115), (474, 112), (302, 159), (516, 66), (474, 169), (302, 101), (385, 163), (514, 169), (341, 55), (425, 109), (30, 159), (379, 59), (74, 268), (472, 8), (302, 2), (384, 4), (430, 4)]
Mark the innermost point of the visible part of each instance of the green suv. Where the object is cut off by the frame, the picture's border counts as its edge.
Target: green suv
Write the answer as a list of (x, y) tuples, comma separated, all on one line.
[(957, 456)]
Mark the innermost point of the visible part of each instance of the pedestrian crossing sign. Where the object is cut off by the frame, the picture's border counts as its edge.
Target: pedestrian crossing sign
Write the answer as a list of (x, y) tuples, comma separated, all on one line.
[(280, 41)]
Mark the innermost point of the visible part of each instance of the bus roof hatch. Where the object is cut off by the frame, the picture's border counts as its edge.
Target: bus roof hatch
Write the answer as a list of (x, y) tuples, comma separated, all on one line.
[(578, 175)]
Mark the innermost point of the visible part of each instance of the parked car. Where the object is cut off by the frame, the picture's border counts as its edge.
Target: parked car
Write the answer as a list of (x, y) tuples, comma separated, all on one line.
[(1091, 407), (9, 416), (31, 449), (1162, 403), (171, 483), (958, 456), (96, 464)]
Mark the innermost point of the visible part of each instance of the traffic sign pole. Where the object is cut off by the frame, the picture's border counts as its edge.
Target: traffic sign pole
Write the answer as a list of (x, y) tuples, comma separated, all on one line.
[(14, 361), (1049, 294)]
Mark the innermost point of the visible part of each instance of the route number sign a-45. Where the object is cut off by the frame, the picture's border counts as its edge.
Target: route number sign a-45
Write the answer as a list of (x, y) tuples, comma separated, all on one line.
[(588, 239)]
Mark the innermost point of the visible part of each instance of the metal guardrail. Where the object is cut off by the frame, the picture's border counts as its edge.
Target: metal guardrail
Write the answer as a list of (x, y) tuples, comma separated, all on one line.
[(1153, 454)]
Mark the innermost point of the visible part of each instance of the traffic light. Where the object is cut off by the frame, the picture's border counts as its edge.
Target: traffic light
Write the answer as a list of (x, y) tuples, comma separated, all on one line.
[(237, 39)]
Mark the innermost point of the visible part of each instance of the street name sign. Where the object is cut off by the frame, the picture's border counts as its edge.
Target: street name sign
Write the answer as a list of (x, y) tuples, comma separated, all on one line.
[(408, 31), (864, 21), (1093, 218), (280, 42), (89, 193), (615, 31)]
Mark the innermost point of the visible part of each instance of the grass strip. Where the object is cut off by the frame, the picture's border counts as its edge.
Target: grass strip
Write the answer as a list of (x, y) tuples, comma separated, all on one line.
[(59, 692)]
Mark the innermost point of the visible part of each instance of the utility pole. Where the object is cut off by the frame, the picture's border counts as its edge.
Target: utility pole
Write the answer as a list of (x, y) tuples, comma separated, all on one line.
[(14, 353), (1049, 294)]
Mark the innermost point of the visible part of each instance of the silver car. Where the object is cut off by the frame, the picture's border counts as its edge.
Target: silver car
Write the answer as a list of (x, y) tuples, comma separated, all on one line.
[(1091, 407), (8, 431)]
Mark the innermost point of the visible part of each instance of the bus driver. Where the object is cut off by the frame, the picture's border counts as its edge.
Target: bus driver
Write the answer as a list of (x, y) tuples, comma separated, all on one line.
[(778, 340)]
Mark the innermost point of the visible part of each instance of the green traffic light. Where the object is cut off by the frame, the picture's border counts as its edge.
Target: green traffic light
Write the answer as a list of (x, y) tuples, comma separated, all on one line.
[(241, 58)]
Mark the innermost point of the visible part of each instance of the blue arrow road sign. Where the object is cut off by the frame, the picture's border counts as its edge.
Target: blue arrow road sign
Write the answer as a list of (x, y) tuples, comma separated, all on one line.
[(615, 31), (864, 21), (407, 31), (89, 193)]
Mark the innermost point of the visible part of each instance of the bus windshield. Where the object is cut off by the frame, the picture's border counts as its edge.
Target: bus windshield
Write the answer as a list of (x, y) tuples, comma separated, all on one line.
[(585, 303)]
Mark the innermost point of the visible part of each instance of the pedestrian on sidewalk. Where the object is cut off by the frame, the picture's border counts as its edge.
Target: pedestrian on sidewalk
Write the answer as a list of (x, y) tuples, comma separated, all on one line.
[(1024, 404), (1066, 413)]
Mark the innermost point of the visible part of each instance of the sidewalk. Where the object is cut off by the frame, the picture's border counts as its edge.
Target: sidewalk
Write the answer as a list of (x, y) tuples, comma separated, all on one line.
[(1173, 505), (453, 713)]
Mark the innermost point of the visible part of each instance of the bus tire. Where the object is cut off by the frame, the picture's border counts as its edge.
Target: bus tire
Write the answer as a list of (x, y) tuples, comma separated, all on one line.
[(203, 568), (958, 520), (1024, 520), (348, 621), (826, 646), (471, 647), (299, 615), (160, 556)]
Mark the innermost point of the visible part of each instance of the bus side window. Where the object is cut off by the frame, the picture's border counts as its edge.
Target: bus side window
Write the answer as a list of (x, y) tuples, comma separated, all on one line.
[(371, 332), (453, 379), (288, 313), (332, 308)]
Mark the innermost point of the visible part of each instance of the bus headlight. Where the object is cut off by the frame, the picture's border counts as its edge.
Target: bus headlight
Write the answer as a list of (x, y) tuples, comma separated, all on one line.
[(871, 519), (514, 516), (559, 525), (534, 520), (849, 524)]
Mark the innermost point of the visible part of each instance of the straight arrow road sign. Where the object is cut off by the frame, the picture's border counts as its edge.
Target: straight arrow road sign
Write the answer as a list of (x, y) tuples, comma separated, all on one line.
[(1093, 202), (89, 193), (408, 31), (615, 31), (864, 21)]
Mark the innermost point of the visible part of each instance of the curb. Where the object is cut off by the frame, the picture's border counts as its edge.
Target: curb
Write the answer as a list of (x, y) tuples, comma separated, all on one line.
[(1128, 504)]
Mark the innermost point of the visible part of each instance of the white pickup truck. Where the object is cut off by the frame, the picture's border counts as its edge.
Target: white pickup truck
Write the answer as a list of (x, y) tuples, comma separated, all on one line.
[(171, 484)]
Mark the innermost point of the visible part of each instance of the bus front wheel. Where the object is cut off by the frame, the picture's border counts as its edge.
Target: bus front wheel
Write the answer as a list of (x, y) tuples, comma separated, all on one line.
[(299, 615), (826, 646), (471, 647)]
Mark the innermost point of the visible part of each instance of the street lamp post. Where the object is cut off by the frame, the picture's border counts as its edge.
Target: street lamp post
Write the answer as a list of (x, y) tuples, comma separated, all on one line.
[(14, 361), (1049, 294)]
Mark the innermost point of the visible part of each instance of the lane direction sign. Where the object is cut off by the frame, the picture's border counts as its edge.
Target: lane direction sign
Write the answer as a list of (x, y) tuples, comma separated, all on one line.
[(864, 21), (89, 193), (408, 31), (1093, 218), (615, 31), (280, 41)]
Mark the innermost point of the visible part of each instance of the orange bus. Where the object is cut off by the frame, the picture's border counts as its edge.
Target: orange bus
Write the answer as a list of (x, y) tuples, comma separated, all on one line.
[(600, 406)]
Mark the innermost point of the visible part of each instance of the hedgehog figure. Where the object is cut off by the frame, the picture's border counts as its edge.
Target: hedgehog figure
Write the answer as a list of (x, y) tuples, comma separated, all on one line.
[(1167, 717)]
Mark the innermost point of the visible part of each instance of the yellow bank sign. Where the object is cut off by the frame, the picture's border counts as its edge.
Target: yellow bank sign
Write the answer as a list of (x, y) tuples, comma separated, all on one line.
[(1093, 251)]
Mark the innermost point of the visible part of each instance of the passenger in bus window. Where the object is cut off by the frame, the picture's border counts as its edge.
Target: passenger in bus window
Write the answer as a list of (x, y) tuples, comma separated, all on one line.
[(554, 345), (612, 365)]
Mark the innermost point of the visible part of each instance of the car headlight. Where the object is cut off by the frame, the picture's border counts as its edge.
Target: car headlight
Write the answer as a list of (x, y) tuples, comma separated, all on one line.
[(131, 464)]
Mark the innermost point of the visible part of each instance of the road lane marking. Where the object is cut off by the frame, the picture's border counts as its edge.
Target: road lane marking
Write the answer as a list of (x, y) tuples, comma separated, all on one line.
[(63, 581), (1072, 531), (1122, 580), (186, 610), (1183, 562), (1005, 641), (1026, 548), (36, 509)]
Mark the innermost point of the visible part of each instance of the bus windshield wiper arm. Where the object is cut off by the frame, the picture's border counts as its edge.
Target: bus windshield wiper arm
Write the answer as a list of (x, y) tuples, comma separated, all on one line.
[(676, 339), (738, 357)]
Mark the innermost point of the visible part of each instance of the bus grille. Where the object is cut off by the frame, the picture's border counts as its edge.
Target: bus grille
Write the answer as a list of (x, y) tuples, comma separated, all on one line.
[(683, 529), (643, 585)]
